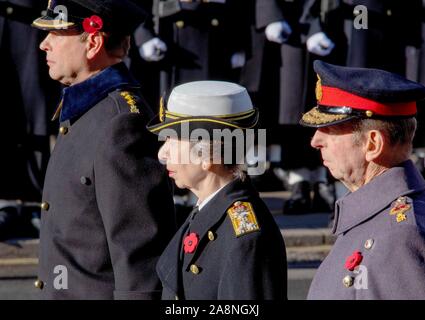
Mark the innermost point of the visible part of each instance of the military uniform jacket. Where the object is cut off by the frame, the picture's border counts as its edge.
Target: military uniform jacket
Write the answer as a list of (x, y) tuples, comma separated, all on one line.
[(224, 265), (392, 26), (380, 229), (201, 39), (108, 211)]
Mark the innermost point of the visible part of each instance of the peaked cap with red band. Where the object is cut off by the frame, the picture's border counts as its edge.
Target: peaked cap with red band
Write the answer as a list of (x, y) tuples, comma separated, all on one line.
[(115, 16), (345, 93)]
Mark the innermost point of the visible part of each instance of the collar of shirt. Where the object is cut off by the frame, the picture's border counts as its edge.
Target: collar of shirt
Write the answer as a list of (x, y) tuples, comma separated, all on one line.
[(79, 98), (202, 204), (372, 198)]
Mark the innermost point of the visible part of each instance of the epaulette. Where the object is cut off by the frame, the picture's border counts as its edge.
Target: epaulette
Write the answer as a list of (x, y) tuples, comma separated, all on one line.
[(243, 218), (400, 208), (131, 101)]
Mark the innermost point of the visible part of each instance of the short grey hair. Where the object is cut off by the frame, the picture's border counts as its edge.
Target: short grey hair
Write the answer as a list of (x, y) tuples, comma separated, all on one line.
[(213, 150), (398, 131)]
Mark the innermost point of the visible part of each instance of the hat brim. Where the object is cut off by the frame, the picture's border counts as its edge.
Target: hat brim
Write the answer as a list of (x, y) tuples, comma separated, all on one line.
[(201, 122), (48, 23), (318, 119)]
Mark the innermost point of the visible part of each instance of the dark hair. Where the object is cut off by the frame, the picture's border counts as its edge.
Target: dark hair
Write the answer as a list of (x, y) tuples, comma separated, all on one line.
[(117, 45)]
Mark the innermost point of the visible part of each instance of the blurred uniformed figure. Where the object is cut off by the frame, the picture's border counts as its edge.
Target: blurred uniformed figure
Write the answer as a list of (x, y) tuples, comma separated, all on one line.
[(24, 125), (305, 42), (392, 26), (416, 72), (187, 40), (230, 246), (107, 207), (260, 76), (194, 39), (298, 38), (146, 71), (365, 124)]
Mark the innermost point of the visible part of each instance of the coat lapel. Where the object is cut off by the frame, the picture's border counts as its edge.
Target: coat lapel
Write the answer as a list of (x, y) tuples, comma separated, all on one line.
[(356, 207), (214, 212)]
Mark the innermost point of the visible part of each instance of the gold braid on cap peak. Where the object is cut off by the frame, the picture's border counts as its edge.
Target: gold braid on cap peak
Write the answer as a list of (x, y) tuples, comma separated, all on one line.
[(314, 116)]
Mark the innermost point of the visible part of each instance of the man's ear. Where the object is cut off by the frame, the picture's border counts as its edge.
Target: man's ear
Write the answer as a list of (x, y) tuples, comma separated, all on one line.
[(375, 141), (94, 44)]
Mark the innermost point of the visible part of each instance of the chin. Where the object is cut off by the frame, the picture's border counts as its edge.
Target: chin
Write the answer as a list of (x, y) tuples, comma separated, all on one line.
[(179, 185), (54, 76)]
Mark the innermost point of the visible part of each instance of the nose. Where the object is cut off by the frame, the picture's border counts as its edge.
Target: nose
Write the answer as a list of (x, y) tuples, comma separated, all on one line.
[(317, 141), (45, 44), (163, 153)]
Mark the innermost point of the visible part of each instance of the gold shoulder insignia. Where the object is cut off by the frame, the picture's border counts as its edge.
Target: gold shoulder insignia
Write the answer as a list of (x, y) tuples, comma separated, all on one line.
[(399, 209), (130, 101), (243, 218)]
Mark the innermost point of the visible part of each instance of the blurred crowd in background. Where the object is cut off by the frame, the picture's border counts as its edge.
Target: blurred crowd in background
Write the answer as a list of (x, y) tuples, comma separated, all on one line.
[(268, 46)]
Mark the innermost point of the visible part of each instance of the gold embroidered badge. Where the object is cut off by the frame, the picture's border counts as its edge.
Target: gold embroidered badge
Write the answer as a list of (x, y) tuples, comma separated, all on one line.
[(401, 217), (319, 91), (399, 208), (161, 110), (130, 101), (243, 218)]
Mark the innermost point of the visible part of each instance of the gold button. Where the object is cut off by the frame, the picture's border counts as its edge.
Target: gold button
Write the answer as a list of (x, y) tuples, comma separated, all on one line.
[(9, 10), (211, 236), (348, 281), (194, 268), (63, 130), (215, 22), (368, 244), (369, 113), (389, 13), (180, 24), (39, 284), (45, 206)]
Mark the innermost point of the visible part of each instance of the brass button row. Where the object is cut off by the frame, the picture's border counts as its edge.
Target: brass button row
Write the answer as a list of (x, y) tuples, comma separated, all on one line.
[(180, 24)]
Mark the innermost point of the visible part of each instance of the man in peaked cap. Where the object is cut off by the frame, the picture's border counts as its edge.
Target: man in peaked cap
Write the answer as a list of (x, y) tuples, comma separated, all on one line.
[(107, 210), (365, 126), (230, 246)]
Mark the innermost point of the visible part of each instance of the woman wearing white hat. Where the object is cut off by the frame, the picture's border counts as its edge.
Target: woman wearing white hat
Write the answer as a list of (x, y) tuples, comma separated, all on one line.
[(230, 246)]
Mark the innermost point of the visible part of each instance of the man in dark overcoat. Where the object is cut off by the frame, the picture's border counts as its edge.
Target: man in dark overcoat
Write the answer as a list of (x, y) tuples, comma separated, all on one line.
[(107, 206)]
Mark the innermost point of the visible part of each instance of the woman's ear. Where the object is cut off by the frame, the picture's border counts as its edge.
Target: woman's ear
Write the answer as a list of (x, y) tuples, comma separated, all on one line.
[(206, 165), (375, 141), (94, 43)]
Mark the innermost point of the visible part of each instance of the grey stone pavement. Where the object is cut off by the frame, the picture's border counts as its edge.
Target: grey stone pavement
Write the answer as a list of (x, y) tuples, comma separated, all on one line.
[(307, 238)]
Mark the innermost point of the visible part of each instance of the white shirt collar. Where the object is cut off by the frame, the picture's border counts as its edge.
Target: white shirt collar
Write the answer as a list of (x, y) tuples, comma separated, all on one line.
[(209, 198)]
